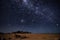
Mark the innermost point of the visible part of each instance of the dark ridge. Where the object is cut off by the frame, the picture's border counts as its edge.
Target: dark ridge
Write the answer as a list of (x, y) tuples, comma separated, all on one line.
[(22, 32), (1, 33)]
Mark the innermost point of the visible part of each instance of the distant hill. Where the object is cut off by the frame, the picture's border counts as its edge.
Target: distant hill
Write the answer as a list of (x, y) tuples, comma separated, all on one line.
[(22, 32)]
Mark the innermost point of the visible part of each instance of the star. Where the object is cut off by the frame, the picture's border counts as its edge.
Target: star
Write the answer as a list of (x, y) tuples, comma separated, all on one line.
[(37, 11), (37, 8), (25, 2), (32, 20), (22, 20), (57, 25)]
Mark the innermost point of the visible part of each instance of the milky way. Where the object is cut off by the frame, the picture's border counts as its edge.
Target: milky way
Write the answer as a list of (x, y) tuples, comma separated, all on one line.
[(41, 14), (30, 15)]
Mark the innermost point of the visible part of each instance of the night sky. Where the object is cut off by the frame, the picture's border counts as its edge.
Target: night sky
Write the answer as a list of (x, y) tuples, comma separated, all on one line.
[(36, 16)]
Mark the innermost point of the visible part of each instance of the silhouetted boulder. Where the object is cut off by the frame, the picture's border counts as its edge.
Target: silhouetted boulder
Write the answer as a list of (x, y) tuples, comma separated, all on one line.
[(17, 36), (21, 37)]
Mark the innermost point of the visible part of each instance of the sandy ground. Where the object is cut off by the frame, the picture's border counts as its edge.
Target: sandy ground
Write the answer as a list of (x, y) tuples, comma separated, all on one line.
[(32, 36), (41, 36)]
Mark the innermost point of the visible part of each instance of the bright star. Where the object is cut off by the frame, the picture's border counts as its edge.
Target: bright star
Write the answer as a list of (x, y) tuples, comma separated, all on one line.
[(22, 20), (57, 25), (25, 2)]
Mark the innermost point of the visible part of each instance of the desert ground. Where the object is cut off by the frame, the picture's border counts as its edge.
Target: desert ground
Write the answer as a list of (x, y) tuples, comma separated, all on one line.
[(18, 36), (41, 37)]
